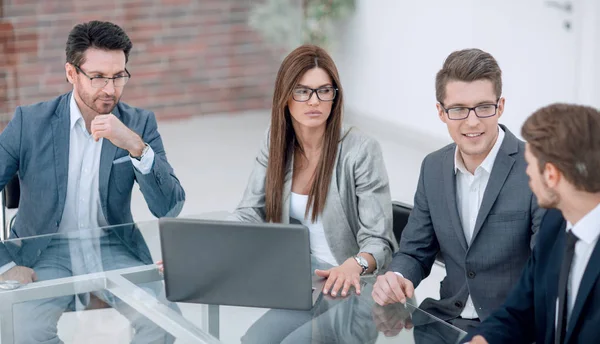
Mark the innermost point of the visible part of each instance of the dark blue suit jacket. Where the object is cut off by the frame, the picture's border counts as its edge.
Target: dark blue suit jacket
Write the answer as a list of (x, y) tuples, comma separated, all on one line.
[(35, 144), (529, 312)]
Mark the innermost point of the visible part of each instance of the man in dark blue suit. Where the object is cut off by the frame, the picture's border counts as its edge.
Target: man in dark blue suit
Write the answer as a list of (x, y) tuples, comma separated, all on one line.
[(557, 299)]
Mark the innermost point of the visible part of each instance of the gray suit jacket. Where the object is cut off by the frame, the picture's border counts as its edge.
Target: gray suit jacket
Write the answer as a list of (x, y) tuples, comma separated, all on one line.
[(36, 145), (491, 265), (358, 211)]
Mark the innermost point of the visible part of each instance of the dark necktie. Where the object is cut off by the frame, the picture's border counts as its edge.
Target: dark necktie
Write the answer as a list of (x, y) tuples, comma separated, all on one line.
[(563, 281)]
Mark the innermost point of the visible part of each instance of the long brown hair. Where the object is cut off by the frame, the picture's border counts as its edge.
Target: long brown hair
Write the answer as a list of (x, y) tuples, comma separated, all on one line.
[(283, 138)]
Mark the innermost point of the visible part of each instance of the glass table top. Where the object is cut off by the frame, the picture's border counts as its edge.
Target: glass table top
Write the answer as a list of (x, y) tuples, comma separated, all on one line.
[(98, 274)]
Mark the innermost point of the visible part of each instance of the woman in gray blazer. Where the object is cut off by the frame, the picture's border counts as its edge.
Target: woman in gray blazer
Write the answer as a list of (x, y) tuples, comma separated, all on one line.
[(312, 171)]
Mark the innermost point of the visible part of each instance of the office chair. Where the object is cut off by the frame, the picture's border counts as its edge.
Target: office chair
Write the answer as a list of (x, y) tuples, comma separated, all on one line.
[(10, 200), (401, 212)]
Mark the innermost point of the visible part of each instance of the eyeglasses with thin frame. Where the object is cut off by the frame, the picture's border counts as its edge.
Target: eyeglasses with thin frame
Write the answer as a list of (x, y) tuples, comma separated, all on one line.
[(325, 94), (462, 112), (101, 81)]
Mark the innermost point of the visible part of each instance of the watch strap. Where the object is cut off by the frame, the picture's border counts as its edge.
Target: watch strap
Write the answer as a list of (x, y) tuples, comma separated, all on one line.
[(139, 158)]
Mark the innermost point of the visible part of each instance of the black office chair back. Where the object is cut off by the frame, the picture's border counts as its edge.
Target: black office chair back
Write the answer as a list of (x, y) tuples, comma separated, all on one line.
[(400, 213), (12, 193), (10, 200)]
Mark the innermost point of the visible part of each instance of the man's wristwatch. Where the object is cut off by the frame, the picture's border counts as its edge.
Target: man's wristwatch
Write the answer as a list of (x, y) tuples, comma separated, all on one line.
[(138, 158), (364, 264)]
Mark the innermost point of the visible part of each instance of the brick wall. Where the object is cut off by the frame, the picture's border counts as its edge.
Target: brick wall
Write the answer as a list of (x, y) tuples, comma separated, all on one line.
[(189, 57)]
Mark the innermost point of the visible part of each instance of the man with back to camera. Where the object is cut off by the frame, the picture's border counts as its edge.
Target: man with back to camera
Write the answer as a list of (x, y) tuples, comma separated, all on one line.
[(77, 157), (472, 203), (557, 298)]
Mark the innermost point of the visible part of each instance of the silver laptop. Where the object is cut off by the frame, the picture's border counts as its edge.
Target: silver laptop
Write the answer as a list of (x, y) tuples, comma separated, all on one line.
[(238, 264)]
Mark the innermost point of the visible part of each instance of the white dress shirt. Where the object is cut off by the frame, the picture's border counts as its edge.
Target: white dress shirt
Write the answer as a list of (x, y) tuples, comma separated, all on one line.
[(587, 230), (83, 209), (318, 242), (469, 194)]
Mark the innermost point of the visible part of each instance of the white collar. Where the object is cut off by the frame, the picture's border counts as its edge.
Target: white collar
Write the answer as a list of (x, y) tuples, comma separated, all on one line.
[(588, 228), (75, 113)]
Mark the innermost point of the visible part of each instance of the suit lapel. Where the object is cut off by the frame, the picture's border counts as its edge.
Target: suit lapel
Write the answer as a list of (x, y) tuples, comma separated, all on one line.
[(500, 171), (589, 279), (61, 137), (333, 211), (334, 217), (450, 191), (107, 156)]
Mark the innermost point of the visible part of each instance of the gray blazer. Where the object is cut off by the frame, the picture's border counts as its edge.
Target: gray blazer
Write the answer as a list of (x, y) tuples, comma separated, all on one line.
[(504, 232), (358, 211), (35, 144)]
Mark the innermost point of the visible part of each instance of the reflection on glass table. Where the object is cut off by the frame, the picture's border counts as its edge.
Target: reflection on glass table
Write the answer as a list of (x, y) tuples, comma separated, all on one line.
[(78, 274), (49, 278), (354, 319)]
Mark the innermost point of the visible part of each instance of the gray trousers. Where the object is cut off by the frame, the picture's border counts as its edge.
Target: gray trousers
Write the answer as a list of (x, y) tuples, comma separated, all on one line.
[(36, 321), (340, 320), (353, 319)]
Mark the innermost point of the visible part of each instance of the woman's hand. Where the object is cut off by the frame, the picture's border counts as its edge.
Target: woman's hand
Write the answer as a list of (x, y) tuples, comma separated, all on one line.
[(343, 276), (161, 267)]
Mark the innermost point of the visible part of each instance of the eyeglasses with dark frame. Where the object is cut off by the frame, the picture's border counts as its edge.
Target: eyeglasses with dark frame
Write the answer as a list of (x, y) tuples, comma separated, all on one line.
[(462, 112), (101, 81), (325, 94)]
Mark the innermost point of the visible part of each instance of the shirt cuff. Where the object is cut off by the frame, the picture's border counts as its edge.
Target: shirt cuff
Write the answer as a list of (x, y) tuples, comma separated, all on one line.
[(145, 164), (4, 268)]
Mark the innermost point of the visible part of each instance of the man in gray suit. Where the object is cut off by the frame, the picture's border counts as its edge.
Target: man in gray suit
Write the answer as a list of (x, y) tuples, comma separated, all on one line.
[(77, 157), (473, 203)]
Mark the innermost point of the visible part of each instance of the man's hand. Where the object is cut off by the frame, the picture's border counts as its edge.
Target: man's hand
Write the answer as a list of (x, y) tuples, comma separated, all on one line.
[(343, 276), (391, 288), (110, 128), (478, 340), (19, 273), (392, 319)]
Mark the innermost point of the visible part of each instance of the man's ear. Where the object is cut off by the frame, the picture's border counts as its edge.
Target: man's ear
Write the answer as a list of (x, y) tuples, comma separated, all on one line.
[(70, 72), (501, 103), (551, 175), (441, 112)]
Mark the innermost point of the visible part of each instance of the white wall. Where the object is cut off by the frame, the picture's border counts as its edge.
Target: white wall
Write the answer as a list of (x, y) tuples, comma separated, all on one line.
[(389, 52), (589, 59), (388, 60)]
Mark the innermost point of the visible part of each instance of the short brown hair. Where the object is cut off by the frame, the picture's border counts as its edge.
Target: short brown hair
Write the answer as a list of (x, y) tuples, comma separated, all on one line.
[(567, 136), (468, 65)]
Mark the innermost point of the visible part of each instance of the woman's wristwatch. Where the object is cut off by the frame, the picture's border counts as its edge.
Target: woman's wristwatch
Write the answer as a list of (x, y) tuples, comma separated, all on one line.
[(364, 264)]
